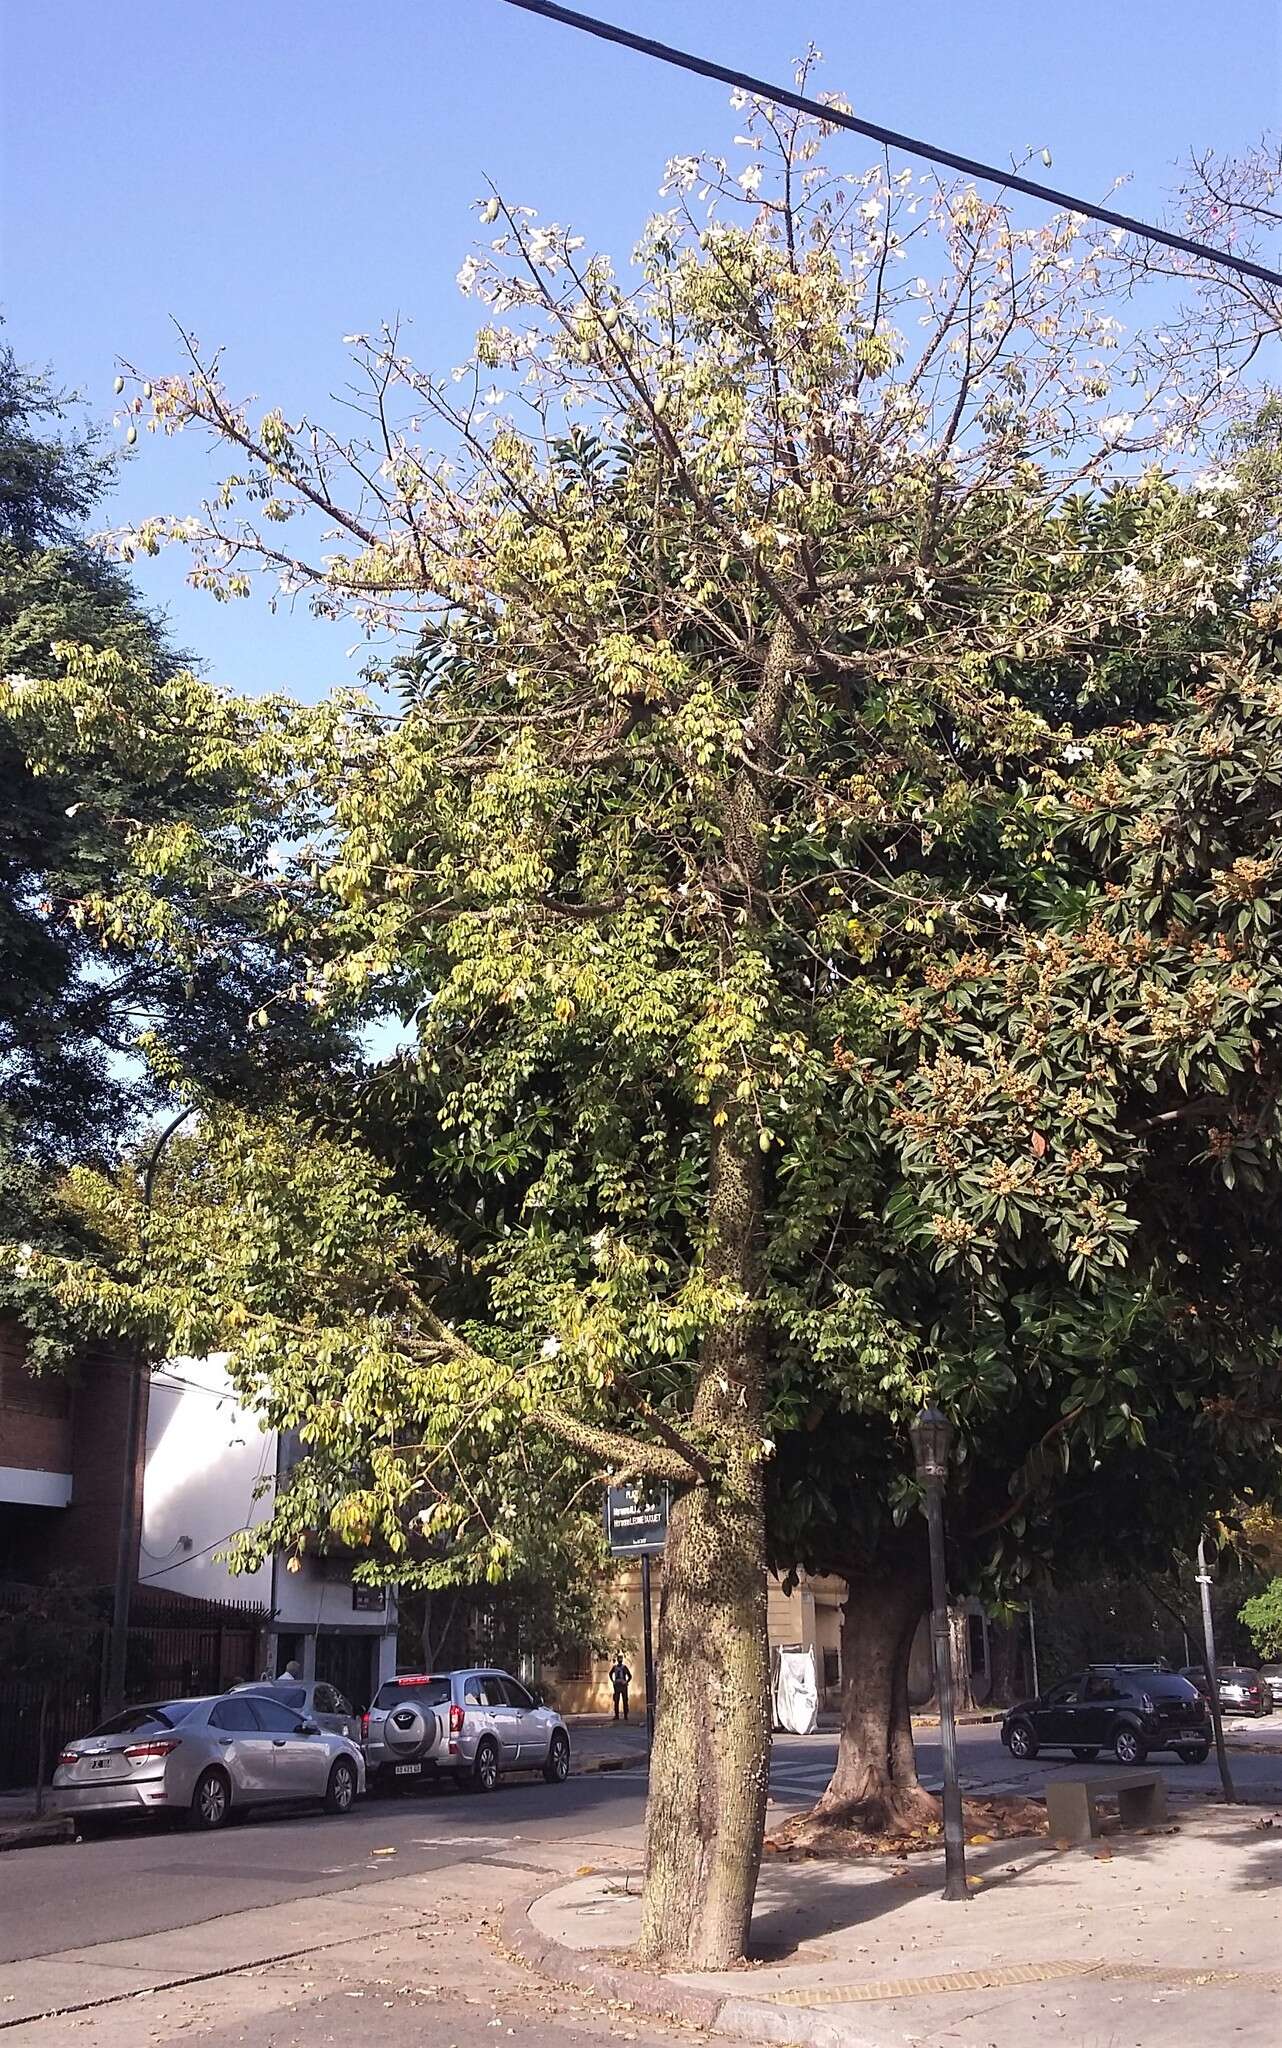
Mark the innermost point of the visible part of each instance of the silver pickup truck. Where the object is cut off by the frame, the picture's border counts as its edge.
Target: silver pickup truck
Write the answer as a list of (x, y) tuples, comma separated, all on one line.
[(472, 1725)]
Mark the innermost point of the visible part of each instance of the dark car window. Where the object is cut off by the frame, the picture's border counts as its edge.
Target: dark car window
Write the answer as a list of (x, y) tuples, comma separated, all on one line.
[(136, 1719), (1168, 1685), (342, 1705), (238, 1715), (323, 1699), (1099, 1686), (420, 1692), (1238, 1674), (517, 1696), (1062, 1694), (275, 1716), (484, 1690)]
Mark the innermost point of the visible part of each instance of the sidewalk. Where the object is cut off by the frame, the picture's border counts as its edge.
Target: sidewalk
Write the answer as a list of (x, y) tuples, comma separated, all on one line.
[(1106, 1945), (19, 1828), (600, 1743)]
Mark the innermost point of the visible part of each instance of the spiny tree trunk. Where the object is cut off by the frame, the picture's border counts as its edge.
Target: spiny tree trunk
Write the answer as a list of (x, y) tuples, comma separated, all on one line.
[(874, 1786), (705, 1819), (1007, 1657), (903, 1750)]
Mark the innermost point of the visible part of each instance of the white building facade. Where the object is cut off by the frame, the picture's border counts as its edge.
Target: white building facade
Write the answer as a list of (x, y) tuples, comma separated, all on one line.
[(211, 1469)]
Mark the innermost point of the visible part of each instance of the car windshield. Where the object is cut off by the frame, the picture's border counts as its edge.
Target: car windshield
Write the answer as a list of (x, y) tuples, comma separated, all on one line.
[(136, 1718), (424, 1692), (1167, 1685), (1236, 1675)]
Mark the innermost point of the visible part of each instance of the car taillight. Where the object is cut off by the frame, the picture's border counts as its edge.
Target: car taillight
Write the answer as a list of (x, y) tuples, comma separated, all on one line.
[(69, 1756), (456, 1720), (364, 1727), (166, 1748)]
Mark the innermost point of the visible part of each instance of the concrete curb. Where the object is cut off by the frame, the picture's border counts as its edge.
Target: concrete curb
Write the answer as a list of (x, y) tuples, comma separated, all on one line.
[(742, 2018), (580, 1972), (34, 1834), (606, 1763)]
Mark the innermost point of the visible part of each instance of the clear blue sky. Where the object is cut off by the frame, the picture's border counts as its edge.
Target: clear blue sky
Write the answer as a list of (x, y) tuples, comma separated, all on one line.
[(278, 174)]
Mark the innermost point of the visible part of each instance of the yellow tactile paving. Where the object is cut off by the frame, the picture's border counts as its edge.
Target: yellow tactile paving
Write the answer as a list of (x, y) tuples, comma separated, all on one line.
[(1015, 1974)]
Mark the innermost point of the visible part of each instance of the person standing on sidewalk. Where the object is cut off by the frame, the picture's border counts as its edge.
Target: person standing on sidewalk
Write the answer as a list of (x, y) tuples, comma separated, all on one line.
[(620, 1679)]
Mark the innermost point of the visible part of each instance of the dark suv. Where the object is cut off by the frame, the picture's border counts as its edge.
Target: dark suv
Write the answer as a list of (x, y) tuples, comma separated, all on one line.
[(1128, 1708)]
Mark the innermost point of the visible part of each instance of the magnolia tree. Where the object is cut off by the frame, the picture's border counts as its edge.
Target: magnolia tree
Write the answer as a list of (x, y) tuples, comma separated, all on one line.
[(770, 615)]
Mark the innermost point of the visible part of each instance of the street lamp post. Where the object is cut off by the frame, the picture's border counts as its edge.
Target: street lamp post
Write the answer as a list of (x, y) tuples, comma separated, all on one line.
[(932, 1436)]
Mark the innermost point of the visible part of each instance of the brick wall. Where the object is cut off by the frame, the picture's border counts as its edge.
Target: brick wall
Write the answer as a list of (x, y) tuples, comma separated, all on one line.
[(35, 1413), (79, 1424), (86, 1534)]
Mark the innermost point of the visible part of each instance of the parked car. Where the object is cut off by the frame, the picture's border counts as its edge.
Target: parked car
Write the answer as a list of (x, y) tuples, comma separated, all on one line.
[(1271, 1678), (1128, 1708), (311, 1700), (205, 1759), (471, 1725), (1242, 1691)]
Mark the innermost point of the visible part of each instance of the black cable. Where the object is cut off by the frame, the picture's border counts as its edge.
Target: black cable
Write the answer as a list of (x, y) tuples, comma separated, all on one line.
[(703, 67)]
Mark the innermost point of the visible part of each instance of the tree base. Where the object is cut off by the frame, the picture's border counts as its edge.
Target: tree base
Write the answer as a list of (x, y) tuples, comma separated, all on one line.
[(824, 1833)]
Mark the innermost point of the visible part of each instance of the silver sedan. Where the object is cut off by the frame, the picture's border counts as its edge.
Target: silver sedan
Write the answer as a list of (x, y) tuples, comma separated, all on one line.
[(205, 1759)]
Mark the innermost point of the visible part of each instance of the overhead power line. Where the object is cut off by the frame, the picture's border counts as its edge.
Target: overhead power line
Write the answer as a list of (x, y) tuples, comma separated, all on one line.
[(784, 95)]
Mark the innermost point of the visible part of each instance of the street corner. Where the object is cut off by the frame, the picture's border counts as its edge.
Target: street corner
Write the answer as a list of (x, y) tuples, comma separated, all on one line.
[(580, 1935)]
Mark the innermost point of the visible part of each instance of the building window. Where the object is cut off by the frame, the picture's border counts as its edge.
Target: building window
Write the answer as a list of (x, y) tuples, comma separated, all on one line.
[(576, 1663), (832, 1670), (977, 1644)]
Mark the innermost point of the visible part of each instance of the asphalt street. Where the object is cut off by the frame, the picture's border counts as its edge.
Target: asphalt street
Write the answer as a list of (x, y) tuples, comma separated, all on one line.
[(142, 1880)]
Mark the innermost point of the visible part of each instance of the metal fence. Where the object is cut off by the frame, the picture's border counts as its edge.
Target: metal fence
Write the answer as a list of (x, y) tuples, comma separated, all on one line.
[(176, 1646)]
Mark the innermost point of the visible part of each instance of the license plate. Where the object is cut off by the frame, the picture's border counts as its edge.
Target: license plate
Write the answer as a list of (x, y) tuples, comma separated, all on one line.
[(102, 1763), (408, 1770), (1192, 1735)]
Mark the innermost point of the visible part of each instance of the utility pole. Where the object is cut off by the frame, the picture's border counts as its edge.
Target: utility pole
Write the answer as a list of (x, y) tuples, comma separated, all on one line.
[(127, 1531), (1032, 1645), (118, 1648), (1212, 1672)]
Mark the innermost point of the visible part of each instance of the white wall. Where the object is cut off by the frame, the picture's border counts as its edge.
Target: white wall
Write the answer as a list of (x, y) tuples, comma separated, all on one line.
[(204, 1455)]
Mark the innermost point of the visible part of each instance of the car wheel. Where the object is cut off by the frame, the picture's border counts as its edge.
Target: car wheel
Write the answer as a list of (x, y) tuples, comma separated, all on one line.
[(1128, 1746), (340, 1793), (1085, 1752), (210, 1802), (485, 1770), (1023, 1742), (557, 1768), (1194, 1753)]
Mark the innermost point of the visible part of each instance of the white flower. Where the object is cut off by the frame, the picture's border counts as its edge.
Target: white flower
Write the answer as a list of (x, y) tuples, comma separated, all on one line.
[(550, 1347), (1076, 753), (467, 272), (1116, 426), (494, 396), (598, 1240), (750, 178), (999, 904)]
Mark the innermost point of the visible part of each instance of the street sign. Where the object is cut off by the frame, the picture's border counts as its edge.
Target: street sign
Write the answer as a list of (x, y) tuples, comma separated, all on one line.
[(636, 1520)]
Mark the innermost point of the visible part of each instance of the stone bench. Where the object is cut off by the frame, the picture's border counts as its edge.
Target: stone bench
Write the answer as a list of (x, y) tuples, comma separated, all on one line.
[(1073, 1801)]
